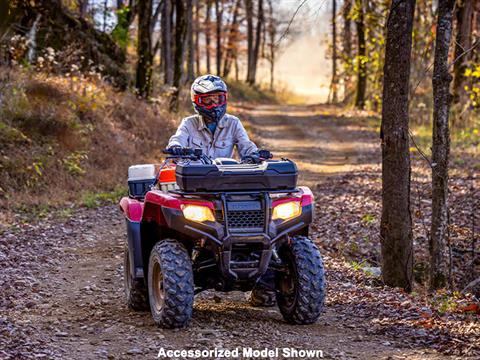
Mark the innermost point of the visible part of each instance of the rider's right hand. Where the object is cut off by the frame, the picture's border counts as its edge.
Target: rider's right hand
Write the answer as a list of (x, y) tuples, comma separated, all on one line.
[(174, 150)]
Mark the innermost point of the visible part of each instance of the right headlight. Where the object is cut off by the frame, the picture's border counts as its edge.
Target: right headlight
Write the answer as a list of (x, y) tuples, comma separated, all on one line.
[(197, 213), (287, 210)]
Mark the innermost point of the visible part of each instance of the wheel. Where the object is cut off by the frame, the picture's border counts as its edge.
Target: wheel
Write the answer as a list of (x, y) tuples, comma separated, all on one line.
[(135, 290), (170, 284), (301, 289), (263, 294)]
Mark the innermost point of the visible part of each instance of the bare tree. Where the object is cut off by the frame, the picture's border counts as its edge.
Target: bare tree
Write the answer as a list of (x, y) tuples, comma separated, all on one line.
[(463, 41), (144, 49), (396, 224), (440, 145)]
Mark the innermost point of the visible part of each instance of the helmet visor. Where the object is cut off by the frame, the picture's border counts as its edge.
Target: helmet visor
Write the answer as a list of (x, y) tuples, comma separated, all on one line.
[(209, 101)]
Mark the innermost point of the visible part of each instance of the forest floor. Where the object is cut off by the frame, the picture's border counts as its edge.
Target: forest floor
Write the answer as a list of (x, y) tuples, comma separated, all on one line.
[(62, 287)]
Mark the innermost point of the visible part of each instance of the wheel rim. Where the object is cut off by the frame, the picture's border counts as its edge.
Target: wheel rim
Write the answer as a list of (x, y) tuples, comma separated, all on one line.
[(157, 285), (288, 283)]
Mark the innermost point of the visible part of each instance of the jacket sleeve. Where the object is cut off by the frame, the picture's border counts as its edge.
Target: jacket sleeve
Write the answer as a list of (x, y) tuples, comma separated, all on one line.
[(244, 145), (180, 138)]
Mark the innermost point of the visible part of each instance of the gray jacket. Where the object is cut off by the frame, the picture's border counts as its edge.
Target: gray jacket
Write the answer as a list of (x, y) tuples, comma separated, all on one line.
[(193, 133)]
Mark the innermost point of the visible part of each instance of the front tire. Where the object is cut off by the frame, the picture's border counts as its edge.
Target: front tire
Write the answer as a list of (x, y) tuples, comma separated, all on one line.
[(301, 290), (135, 289), (170, 284)]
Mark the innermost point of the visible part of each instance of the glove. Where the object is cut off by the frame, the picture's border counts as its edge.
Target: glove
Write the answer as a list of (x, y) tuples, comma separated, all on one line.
[(264, 154), (175, 150)]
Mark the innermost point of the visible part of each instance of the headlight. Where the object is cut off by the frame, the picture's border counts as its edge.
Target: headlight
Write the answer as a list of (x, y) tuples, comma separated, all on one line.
[(287, 210), (197, 213)]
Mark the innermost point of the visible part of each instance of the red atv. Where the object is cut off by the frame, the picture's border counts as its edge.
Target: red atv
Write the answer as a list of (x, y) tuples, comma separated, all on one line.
[(219, 224)]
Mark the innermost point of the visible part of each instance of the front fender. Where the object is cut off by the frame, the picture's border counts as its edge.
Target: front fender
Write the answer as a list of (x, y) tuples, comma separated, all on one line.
[(132, 208)]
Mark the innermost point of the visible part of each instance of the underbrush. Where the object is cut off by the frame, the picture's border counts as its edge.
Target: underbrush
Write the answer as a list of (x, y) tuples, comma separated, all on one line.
[(64, 136)]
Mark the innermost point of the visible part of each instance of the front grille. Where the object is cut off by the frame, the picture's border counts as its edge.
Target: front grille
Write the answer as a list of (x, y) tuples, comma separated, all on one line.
[(246, 219)]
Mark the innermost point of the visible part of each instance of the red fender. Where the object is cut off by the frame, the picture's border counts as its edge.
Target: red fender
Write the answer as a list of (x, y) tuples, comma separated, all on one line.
[(132, 208)]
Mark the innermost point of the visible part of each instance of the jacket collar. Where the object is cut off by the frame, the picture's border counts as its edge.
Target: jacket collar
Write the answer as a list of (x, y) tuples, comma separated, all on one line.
[(202, 125)]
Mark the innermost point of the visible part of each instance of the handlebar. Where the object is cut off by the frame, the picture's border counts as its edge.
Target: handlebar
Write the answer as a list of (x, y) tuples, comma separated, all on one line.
[(183, 151), (187, 153)]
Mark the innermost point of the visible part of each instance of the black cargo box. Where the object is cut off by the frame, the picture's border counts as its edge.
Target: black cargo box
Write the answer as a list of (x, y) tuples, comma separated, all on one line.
[(270, 175)]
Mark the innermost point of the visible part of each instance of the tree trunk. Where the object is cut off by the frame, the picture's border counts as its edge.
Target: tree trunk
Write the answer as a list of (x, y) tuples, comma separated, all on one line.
[(219, 16), (156, 15), (272, 33), (191, 49), (166, 43), (207, 35), (180, 35), (347, 48), (197, 37), (249, 15), (333, 85), (144, 49), (440, 145), (82, 7), (231, 43), (258, 39), (361, 57), (396, 224), (464, 15)]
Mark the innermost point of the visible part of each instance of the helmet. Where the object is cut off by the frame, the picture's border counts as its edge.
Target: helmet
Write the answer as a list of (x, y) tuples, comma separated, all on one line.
[(202, 87)]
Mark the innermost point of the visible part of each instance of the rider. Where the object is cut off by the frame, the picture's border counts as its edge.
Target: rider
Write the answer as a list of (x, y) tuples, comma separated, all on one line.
[(216, 133), (212, 129)]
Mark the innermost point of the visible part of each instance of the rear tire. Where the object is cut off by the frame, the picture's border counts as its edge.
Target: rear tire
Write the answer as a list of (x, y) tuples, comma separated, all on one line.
[(301, 291), (170, 284), (135, 289)]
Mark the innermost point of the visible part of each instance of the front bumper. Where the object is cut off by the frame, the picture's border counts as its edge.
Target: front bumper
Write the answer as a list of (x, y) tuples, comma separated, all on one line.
[(224, 242)]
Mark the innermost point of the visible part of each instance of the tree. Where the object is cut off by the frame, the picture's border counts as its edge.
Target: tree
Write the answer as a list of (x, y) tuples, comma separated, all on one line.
[(144, 49), (180, 35), (207, 34), (231, 41), (82, 7), (190, 44), (333, 85), (440, 145), (272, 32), (463, 41), (197, 36), (249, 15), (258, 39), (347, 47), (166, 43), (361, 56), (396, 224), (218, 16)]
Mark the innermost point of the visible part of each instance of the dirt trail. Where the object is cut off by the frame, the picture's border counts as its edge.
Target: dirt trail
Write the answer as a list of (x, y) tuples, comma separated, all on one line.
[(67, 299)]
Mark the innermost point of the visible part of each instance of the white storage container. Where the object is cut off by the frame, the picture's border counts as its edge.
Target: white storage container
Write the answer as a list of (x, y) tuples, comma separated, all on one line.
[(140, 177)]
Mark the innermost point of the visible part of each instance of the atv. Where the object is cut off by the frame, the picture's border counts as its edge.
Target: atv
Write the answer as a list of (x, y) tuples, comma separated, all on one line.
[(198, 224)]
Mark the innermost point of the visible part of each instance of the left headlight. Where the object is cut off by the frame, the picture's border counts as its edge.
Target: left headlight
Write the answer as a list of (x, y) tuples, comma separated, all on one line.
[(287, 210), (197, 213)]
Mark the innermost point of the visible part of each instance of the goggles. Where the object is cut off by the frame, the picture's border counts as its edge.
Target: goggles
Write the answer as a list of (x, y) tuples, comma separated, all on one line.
[(209, 101)]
